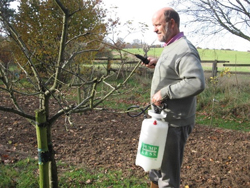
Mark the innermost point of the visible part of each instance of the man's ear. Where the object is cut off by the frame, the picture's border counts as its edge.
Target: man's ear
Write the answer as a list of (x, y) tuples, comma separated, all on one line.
[(172, 23)]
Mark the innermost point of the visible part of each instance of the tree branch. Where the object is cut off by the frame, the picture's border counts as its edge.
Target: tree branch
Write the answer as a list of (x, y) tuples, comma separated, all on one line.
[(118, 86), (62, 42), (76, 37), (24, 49), (5, 109)]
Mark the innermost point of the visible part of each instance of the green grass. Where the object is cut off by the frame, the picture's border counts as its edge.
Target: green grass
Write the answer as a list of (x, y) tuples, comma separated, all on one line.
[(24, 174), (232, 123), (206, 54), (77, 177), (234, 57), (225, 102), (227, 55)]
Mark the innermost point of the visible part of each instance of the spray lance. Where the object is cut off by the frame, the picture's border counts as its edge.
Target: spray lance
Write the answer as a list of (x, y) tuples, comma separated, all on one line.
[(142, 58)]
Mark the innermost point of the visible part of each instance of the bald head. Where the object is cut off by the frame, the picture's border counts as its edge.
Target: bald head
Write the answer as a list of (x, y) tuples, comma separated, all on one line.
[(166, 23), (168, 13)]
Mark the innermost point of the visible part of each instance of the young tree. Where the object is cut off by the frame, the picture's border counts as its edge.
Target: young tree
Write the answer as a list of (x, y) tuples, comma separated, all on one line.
[(212, 17), (50, 41)]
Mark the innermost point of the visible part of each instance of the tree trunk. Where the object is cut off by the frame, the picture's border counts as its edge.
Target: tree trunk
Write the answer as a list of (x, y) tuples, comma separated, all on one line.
[(52, 163), (42, 144)]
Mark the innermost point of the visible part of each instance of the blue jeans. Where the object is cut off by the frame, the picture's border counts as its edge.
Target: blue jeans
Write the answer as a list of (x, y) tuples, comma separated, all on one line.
[(169, 174)]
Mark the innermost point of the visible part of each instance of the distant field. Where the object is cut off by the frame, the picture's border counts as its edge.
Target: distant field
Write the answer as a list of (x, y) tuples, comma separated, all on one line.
[(234, 57)]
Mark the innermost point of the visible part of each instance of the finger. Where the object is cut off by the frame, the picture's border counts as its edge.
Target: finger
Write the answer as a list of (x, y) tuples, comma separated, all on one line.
[(157, 103)]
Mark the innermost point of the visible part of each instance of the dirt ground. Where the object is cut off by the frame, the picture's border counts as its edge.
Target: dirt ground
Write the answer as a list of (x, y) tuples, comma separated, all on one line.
[(105, 139)]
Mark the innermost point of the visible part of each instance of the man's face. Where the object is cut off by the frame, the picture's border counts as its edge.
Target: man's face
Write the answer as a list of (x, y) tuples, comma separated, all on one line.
[(161, 28)]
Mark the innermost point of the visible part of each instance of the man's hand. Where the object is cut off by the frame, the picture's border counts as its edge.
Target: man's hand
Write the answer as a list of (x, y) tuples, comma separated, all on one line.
[(152, 63), (157, 98)]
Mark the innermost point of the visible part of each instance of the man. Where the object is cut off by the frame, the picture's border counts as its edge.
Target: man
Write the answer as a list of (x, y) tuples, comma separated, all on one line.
[(178, 78)]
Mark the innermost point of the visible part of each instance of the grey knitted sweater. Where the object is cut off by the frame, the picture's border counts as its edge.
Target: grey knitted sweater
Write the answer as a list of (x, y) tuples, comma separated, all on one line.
[(179, 76)]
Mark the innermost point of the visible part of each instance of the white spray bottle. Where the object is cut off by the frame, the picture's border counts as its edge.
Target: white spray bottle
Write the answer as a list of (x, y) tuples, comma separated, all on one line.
[(152, 141)]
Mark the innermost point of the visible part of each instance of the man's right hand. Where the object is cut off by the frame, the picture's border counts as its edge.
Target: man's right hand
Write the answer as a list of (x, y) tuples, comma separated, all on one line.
[(152, 62)]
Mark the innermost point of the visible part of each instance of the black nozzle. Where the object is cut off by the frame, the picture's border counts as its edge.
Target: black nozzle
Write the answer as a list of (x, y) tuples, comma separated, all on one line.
[(143, 59)]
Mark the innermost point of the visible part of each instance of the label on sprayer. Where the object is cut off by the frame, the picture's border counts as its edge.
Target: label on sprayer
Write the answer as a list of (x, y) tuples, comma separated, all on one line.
[(148, 150)]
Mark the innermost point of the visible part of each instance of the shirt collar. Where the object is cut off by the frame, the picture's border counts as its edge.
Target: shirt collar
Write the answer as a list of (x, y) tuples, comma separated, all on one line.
[(176, 37)]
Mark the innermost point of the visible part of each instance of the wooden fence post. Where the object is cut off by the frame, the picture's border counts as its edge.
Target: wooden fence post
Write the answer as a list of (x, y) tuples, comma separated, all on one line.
[(214, 69), (108, 66), (214, 66)]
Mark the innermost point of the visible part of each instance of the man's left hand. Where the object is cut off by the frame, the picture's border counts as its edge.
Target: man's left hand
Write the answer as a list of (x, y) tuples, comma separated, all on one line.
[(157, 98)]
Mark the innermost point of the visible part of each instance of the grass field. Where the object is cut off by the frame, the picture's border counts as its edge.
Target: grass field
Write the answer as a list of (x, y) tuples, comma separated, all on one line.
[(206, 54), (24, 174), (234, 57)]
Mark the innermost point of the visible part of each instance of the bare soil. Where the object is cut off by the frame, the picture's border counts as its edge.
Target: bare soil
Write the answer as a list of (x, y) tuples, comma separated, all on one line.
[(106, 139)]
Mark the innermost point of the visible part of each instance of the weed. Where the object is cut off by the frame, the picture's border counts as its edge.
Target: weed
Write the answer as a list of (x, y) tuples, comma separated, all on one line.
[(225, 101)]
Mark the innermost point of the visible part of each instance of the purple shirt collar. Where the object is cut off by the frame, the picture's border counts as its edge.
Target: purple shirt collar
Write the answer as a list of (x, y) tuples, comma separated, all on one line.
[(176, 37)]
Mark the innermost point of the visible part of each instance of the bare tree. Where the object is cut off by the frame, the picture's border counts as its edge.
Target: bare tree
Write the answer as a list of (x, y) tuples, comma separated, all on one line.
[(210, 17), (62, 76)]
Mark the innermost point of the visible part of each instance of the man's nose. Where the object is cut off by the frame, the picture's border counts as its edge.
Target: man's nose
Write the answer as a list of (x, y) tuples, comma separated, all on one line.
[(155, 29)]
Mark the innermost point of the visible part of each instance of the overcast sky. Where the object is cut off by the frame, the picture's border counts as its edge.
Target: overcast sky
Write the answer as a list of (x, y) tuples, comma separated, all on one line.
[(142, 11)]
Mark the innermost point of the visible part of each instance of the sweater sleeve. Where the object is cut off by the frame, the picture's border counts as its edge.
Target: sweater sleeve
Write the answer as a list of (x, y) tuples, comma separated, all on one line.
[(191, 80)]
